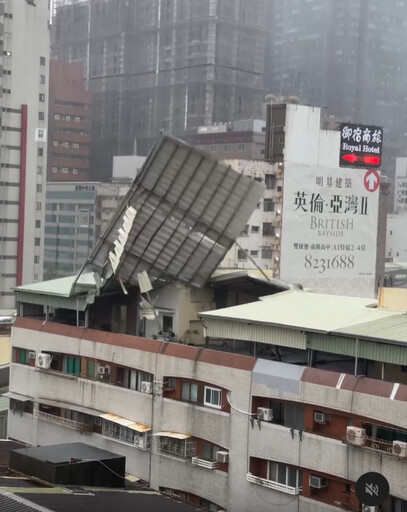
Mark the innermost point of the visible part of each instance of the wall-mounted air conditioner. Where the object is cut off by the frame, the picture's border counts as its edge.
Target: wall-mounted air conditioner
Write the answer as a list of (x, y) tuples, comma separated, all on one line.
[(222, 456), (140, 442), (43, 360), (31, 354), (317, 482), (146, 387), (399, 448), (104, 370), (264, 414), (355, 435), (321, 417)]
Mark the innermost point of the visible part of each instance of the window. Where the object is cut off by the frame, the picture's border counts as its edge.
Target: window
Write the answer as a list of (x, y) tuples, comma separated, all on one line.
[(37, 242), (37, 223), (39, 169), (77, 119), (209, 451), (75, 171), (38, 205), (213, 397), (268, 205), (214, 148), (266, 253), (255, 229), (270, 180), (42, 79), (41, 116), (54, 169), (189, 392), (55, 143), (67, 118), (268, 229), (167, 323), (179, 447), (240, 147), (40, 152), (284, 474), (288, 415), (42, 97), (56, 117), (118, 432), (241, 255), (42, 61), (71, 365), (245, 231), (66, 144), (254, 253), (228, 147), (39, 188)]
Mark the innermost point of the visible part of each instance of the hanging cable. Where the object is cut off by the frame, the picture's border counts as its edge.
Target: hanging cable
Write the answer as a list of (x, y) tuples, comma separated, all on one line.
[(236, 409)]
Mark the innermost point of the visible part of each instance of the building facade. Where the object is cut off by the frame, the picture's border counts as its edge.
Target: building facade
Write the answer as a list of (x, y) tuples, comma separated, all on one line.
[(24, 98), (76, 216), (293, 427), (68, 124), (259, 243), (162, 66), (242, 140)]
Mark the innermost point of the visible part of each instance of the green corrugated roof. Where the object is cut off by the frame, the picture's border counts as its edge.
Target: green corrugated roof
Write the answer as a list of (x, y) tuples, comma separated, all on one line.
[(63, 285), (391, 328)]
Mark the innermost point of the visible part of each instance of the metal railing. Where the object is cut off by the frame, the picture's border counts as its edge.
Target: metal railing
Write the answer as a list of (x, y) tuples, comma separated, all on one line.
[(204, 463), (374, 443), (273, 485), (65, 422)]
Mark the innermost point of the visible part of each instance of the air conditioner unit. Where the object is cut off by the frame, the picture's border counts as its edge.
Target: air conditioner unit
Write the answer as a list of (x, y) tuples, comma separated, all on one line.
[(317, 482), (222, 456), (31, 355), (140, 442), (356, 435), (399, 448), (369, 508), (104, 370), (146, 387), (264, 414), (321, 417), (43, 360)]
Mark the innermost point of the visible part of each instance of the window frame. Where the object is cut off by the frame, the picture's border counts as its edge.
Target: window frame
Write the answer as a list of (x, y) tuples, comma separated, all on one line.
[(211, 403)]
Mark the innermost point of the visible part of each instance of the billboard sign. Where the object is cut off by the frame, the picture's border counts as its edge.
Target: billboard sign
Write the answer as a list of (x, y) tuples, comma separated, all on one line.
[(361, 146), (329, 229)]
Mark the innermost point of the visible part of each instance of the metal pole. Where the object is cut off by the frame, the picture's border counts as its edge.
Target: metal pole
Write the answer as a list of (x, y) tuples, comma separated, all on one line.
[(252, 260), (356, 357)]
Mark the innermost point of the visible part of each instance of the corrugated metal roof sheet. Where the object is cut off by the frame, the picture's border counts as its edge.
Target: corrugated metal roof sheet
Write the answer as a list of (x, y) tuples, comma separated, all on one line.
[(125, 422), (175, 435), (390, 328), (11, 503), (189, 209), (303, 310)]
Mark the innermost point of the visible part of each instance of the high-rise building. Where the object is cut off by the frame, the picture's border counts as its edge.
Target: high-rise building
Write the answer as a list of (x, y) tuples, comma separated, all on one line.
[(345, 56), (23, 99), (68, 124), (158, 66)]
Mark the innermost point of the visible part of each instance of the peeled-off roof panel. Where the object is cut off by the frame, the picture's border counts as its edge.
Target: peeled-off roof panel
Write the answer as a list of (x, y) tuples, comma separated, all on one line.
[(189, 208)]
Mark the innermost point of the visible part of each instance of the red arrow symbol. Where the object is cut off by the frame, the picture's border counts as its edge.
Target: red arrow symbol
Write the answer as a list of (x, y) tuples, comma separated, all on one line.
[(350, 158), (369, 160)]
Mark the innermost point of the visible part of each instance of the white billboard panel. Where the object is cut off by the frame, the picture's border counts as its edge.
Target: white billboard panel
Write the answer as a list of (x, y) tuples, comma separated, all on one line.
[(329, 229)]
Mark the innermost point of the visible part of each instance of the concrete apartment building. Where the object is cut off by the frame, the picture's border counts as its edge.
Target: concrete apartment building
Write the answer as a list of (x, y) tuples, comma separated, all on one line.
[(77, 213), (68, 124), (158, 66), (24, 98), (321, 403), (243, 139)]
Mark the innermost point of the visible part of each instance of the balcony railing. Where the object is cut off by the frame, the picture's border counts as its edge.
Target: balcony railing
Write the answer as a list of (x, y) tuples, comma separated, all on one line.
[(380, 445), (204, 463), (273, 485), (65, 422)]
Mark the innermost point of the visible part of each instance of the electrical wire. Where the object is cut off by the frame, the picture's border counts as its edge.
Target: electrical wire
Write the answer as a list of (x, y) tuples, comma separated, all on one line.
[(111, 470), (237, 409)]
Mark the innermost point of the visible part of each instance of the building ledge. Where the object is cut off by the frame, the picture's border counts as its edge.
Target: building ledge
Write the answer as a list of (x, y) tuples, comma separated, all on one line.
[(273, 485)]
